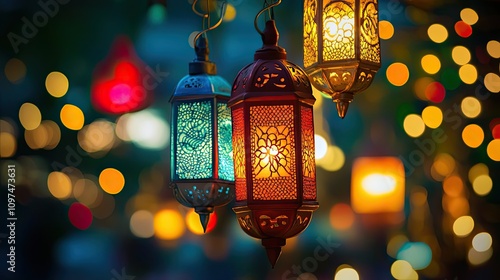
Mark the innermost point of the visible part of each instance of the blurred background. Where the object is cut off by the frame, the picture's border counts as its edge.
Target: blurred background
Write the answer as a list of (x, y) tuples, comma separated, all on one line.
[(92, 188)]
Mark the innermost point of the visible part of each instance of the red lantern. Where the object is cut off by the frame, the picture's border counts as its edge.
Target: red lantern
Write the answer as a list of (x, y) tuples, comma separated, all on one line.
[(121, 82), (273, 146)]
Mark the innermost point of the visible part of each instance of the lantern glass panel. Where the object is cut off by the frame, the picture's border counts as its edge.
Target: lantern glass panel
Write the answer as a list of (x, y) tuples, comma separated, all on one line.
[(338, 30), (239, 154), (310, 33), (193, 150), (369, 40), (224, 130), (273, 148), (308, 162)]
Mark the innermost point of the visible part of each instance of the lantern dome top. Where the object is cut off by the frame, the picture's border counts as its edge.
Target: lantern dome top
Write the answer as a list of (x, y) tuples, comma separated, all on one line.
[(271, 75)]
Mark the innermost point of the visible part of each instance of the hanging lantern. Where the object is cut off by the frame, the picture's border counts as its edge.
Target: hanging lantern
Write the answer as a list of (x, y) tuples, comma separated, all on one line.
[(341, 47), (202, 167), (273, 141), (122, 83)]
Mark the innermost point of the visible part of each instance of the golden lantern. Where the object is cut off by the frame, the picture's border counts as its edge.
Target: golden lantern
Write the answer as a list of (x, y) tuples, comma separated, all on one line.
[(273, 144), (378, 186), (341, 47)]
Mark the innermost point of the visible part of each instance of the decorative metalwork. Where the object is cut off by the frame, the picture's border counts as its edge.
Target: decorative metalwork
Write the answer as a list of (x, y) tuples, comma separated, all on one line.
[(338, 31), (369, 43), (310, 33), (308, 162), (224, 137), (273, 223)]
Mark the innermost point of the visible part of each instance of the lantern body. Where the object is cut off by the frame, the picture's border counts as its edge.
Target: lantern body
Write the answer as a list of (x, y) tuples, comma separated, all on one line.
[(377, 185), (273, 142), (202, 167), (341, 47)]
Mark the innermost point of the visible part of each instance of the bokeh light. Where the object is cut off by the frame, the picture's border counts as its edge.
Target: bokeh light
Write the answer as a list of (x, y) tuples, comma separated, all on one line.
[(493, 149), (398, 74), (413, 125), (142, 224), (463, 226), (191, 37), (80, 216), (482, 242), (56, 84), (477, 170), (30, 116), (435, 92), (194, 225), (468, 73), (402, 269), (148, 129), (463, 29), (86, 192), (473, 135), (9, 144), (492, 82), (437, 33), (53, 134), (461, 55), (333, 160), (347, 273), (477, 258), (430, 63), (469, 16), (420, 87), (72, 117), (169, 224), (341, 216), (59, 185), (157, 13), (395, 243), (386, 29), (97, 136), (453, 186), (432, 116), (417, 254), (493, 48), (230, 13), (471, 107), (15, 70), (111, 180), (321, 146)]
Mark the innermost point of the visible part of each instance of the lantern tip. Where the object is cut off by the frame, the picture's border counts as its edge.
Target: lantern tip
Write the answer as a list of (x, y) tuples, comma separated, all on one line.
[(342, 107), (273, 254), (204, 218)]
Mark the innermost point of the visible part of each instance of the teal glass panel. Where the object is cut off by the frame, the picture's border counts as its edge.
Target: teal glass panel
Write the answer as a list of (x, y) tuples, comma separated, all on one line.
[(224, 132), (194, 140)]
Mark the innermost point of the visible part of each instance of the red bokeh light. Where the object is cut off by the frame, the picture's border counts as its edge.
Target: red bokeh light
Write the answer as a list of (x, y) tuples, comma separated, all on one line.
[(463, 29), (496, 131), (435, 92), (212, 222), (80, 216)]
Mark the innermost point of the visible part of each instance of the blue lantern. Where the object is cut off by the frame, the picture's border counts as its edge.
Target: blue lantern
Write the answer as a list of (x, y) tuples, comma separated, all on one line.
[(201, 151)]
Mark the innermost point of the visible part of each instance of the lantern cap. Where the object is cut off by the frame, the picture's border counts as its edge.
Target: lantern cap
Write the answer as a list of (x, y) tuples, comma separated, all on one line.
[(201, 64), (270, 49), (202, 85)]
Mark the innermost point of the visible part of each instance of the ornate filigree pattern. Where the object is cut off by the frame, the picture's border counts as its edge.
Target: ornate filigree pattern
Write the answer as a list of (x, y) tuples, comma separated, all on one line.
[(239, 154), (338, 31), (271, 75), (308, 160), (246, 222), (224, 131), (272, 131), (273, 223), (193, 82), (310, 33), (369, 41), (194, 140), (242, 78)]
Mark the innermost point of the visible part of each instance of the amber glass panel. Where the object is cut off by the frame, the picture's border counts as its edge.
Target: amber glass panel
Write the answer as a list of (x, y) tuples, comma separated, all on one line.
[(310, 32), (338, 30), (273, 152), (308, 162), (239, 154), (369, 39)]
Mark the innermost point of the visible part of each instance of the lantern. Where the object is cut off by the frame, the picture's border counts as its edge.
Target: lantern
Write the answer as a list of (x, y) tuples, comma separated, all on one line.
[(378, 185), (202, 167), (273, 141), (341, 47)]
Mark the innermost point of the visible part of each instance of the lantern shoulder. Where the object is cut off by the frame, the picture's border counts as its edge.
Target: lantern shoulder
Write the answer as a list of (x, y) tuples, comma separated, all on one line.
[(202, 85)]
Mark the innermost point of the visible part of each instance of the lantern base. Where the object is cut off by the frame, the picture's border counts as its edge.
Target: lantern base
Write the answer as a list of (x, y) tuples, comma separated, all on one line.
[(343, 99), (204, 213), (273, 248)]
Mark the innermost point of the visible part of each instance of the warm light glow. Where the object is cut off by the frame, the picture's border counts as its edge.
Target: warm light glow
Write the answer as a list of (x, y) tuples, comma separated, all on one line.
[(430, 63), (468, 73), (347, 274), (386, 29), (482, 242), (333, 160), (72, 117), (493, 48), (148, 130), (273, 154), (473, 135), (493, 149), (482, 185), (377, 185), (9, 145), (435, 92), (169, 224), (395, 243), (469, 16), (477, 258), (29, 116), (461, 55), (230, 13), (432, 116), (142, 224), (59, 185), (463, 29), (420, 87), (398, 74), (86, 192), (413, 125), (463, 226), (111, 180), (341, 216), (194, 225), (97, 136), (437, 33), (444, 164), (321, 146), (478, 170), (492, 82), (57, 84), (401, 269), (471, 107), (453, 186), (15, 70)]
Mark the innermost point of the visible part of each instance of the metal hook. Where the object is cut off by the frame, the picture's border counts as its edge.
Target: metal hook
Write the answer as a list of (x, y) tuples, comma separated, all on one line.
[(262, 11), (193, 6), (223, 11)]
